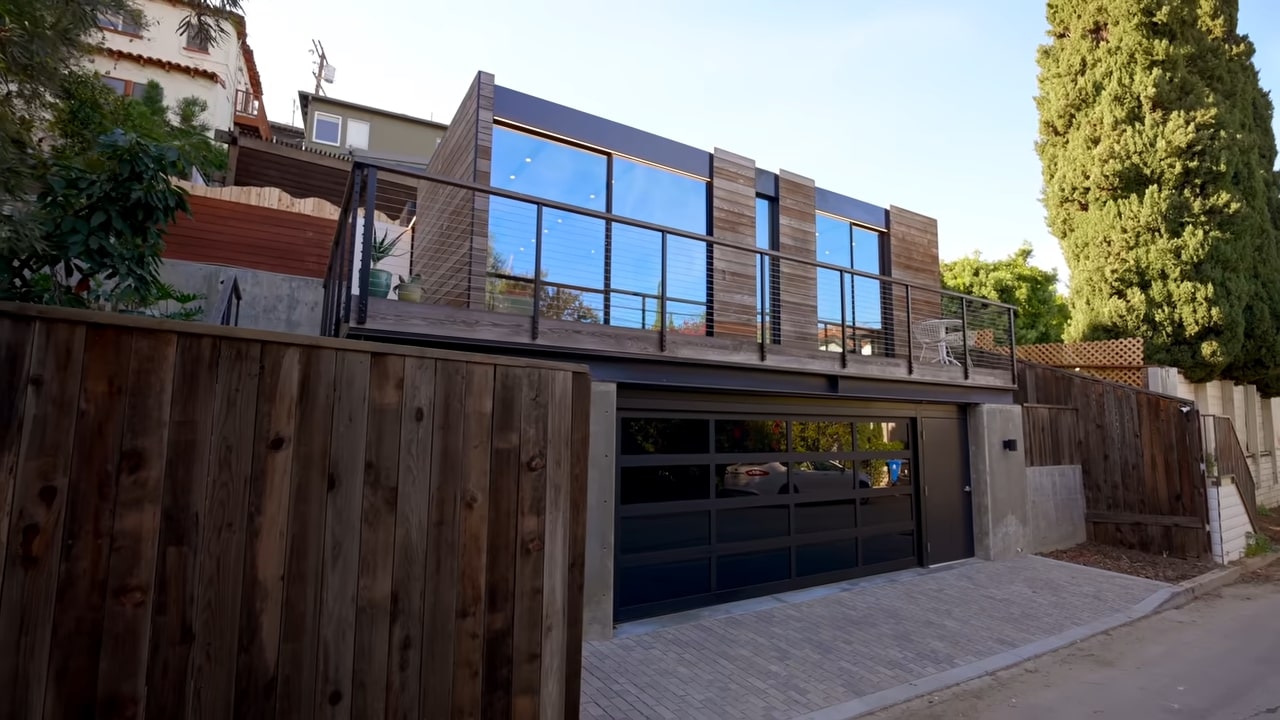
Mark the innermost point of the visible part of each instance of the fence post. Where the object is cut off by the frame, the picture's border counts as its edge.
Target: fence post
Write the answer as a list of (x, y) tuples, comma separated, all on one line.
[(766, 322), (844, 324), (1013, 344), (366, 260)]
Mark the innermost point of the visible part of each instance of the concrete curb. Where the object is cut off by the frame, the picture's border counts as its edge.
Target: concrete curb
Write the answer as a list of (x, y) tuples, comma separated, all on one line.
[(1159, 601)]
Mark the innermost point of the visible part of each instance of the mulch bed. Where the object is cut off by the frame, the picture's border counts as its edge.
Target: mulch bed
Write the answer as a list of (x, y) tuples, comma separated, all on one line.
[(1132, 562)]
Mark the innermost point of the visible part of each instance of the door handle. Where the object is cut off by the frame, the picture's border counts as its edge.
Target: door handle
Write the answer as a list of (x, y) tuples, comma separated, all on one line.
[(968, 488)]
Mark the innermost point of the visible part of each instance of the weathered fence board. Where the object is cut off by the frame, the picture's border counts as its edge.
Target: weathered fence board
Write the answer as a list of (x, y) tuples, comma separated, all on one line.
[(208, 522), (1140, 452)]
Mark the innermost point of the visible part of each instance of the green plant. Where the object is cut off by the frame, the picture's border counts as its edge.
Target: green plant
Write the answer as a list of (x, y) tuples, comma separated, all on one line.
[(1257, 544), (101, 224), (1264, 511), (384, 248), (412, 281)]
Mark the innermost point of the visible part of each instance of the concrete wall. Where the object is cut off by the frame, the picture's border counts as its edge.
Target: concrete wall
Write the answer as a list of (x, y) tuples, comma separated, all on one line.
[(597, 618), (1001, 524), (285, 303), (1055, 507), (1228, 523)]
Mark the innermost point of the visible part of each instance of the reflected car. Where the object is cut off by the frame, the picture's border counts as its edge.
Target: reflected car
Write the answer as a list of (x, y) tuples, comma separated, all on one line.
[(771, 478)]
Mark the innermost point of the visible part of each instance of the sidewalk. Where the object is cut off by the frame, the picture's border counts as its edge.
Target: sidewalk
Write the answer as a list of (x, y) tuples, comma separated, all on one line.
[(818, 648)]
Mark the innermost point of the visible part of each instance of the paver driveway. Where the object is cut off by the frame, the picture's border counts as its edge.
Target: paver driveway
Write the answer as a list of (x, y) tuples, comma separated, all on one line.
[(793, 658)]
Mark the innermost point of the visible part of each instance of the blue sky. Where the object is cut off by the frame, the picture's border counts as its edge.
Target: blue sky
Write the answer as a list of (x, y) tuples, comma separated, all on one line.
[(926, 104)]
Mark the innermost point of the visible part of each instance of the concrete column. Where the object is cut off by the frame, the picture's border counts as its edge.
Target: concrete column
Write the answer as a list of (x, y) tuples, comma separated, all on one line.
[(1253, 433), (1001, 526), (597, 617)]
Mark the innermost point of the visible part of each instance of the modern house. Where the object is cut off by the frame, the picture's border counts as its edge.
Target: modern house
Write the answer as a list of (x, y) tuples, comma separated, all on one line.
[(342, 127), (135, 51), (783, 394)]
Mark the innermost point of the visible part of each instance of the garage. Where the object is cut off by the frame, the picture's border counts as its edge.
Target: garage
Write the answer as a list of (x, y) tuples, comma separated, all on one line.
[(720, 505)]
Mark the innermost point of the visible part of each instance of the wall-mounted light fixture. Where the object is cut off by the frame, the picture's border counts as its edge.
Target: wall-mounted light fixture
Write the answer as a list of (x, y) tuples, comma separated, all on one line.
[(1011, 445)]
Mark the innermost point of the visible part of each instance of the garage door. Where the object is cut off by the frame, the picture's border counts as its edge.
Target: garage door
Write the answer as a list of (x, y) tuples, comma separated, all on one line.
[(713, 508)]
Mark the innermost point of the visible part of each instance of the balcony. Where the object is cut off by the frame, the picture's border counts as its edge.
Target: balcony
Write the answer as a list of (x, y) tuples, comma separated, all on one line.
[(251, 115), (501, 268)]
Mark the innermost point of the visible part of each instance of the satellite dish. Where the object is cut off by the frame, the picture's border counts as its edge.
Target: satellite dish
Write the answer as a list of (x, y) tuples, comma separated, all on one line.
[(327, 73)]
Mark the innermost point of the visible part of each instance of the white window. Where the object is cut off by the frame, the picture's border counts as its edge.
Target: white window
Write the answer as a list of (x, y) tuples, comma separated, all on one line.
[(327, 129), (357, 134)]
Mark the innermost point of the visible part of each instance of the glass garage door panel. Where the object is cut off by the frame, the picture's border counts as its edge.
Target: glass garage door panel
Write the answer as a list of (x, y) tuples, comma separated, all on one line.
[(719, 507)]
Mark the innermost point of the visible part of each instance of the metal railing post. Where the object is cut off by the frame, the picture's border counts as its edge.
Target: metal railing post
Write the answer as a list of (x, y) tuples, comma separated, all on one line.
[(766, 322), (348, 249), (662, 299), (964, 334), (366, 259), (1013, 345), (844, 324), (911, 350), (537, 272)]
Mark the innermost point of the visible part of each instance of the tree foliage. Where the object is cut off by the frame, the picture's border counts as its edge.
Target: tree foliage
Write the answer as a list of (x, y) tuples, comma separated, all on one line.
[(1042, 312), (1160, 183)]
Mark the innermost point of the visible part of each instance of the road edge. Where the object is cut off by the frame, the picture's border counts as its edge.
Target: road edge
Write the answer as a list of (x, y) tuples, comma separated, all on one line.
[(1164, 599)]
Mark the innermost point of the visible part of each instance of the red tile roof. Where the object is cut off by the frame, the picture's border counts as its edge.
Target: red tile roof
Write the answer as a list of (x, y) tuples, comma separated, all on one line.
[(168, 65)]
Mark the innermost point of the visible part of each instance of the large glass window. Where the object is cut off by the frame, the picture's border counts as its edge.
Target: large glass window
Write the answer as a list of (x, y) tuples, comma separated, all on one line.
[(840, 242), (598, 271), (573, 247), (766, 239)]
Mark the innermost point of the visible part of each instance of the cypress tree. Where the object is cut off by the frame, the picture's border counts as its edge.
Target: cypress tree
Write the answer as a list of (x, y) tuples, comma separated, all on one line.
[(1160, 183)]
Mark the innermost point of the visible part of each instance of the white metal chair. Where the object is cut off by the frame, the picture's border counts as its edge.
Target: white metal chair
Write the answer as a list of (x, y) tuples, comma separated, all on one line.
[(934, 338)]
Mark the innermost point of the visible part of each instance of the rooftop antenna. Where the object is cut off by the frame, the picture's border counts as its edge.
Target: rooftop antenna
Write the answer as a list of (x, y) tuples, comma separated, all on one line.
[(324, 72)]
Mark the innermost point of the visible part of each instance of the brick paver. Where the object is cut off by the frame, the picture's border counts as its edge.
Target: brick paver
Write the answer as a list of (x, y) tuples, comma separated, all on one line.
[(784, 661)]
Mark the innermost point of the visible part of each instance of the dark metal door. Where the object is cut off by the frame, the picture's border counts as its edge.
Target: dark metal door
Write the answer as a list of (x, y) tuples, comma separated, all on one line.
[(948, 499)]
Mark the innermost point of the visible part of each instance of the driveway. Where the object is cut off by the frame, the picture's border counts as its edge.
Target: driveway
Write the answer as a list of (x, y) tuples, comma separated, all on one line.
[(790, 656)]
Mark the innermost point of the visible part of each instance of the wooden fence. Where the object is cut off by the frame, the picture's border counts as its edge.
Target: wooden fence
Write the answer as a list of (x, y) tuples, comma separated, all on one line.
[(1140, 453), (212, 523)]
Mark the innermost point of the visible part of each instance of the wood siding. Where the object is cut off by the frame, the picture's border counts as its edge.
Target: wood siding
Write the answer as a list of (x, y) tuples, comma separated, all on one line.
[(734, 282), (210, 522), (1141, 455), (912, 256), (798, 284), (220, 232), (450, 248)]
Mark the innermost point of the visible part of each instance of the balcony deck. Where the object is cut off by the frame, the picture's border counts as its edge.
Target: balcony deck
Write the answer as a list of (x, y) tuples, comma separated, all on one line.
[(394, 319), (677, 297)]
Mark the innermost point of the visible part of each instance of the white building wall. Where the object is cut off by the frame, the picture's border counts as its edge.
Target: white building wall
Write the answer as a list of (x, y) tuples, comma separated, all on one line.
[(1228, 524), (161, 39)]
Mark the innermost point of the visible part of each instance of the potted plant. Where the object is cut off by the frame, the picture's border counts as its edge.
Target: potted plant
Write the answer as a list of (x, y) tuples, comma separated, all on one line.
[(383, 248), (410, 290)]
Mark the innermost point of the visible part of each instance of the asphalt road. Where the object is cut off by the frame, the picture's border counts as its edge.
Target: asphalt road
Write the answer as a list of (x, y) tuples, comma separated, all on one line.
[(1217, 658)]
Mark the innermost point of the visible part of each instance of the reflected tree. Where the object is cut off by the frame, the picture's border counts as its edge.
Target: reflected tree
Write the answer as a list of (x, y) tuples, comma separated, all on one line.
[(508, 291)]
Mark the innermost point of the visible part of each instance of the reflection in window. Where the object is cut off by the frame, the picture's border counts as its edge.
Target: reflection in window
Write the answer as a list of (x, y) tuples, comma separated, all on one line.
[(751, 479), (823, 476), (743, 436), (659, 196), (884, 435), (884, 510), (885, 473), (665, 483), (572, 262), (662, 436), (548, 169), (821, 437), (653, 583), (842, 243)]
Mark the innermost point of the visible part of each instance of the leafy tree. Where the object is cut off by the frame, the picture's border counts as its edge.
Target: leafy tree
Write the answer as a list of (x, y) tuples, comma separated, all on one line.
[(1042, 313), (101, 223), (1160, 183), (43, 45)]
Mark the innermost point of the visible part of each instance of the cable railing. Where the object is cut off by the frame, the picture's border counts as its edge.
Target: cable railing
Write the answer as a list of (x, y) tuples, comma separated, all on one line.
[(466, 246)]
